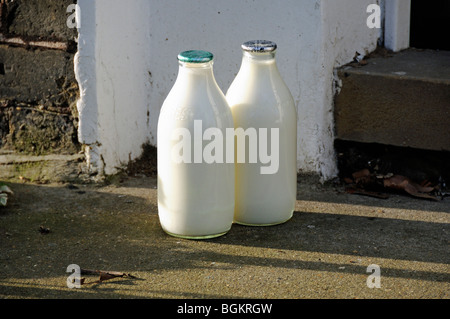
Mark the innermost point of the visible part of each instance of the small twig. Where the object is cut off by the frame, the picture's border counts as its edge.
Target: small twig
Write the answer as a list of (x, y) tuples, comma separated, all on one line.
[(104, 275), (359, 191)]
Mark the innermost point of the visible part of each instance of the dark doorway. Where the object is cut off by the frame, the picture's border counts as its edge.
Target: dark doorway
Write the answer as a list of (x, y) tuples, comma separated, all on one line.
[(430, 24)]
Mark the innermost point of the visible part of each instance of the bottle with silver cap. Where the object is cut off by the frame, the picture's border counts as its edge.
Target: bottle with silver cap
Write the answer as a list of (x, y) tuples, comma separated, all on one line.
[(259, 99), (195, 187)]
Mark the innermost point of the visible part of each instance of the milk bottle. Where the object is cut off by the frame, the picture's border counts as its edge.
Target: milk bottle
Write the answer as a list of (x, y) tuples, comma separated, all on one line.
[(195, 197), (259, 98)]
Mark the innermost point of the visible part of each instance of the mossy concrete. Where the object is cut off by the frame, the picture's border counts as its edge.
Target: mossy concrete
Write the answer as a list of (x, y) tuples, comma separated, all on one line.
[(42, 169)]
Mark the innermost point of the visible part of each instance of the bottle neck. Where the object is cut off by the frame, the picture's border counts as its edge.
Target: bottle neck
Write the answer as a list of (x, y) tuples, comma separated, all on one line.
[(261, 65), (259, 58), (195, 70)]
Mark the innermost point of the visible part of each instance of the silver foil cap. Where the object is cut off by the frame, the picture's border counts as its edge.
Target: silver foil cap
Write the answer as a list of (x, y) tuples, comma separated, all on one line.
[(259, 46)]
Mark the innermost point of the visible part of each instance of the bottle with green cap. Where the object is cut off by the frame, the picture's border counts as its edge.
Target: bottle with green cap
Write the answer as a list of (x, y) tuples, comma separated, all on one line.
[(195, 184), (259, 98)]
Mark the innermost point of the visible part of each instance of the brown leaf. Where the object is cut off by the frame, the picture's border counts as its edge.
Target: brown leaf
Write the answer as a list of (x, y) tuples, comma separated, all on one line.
[(348, 180), (412, 190), (360, 174), (403, 183), (105, 275), (362, 177)]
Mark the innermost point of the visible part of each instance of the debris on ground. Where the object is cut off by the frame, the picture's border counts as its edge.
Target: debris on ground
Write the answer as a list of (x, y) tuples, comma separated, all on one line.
[(398, 182), (103, 276), (145, 165), (360, 60), (5, 191), (363, 182), (379, 170), (44, 230)]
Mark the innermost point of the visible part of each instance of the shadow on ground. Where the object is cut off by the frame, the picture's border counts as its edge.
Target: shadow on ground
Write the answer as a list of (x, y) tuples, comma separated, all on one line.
[(116, 228)]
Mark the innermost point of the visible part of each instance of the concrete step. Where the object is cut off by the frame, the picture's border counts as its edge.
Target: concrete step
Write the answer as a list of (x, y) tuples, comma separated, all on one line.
[(42, 169), (400, 99)]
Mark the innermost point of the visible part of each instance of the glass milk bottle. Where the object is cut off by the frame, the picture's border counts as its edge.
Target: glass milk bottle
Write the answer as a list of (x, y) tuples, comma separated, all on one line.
[(195, 184), (259, 99)]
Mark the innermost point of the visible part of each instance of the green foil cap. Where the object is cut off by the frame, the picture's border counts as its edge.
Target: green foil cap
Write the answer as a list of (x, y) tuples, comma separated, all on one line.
[(195, 56)]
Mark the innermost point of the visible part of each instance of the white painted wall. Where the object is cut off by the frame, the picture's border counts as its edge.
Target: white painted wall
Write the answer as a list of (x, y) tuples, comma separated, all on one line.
[(112, 70), (127, 64), (344, 33)]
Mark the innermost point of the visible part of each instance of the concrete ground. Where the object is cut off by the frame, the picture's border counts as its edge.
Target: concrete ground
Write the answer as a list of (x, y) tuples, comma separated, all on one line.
[(324, 251)]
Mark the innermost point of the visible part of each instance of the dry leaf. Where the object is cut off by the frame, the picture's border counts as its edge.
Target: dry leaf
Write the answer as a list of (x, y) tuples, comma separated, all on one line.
[(403, 183), (105, 275)]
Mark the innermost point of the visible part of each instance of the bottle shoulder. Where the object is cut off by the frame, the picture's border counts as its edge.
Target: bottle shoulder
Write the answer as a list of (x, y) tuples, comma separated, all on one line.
[(261, 100), (185, 106), (248, 89)]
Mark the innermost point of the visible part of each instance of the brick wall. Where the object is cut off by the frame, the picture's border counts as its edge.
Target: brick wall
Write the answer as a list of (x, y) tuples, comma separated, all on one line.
[(38, 89)]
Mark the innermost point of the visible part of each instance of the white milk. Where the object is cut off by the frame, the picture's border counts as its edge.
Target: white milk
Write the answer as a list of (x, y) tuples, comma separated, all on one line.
[(259, 98), (195, 200)]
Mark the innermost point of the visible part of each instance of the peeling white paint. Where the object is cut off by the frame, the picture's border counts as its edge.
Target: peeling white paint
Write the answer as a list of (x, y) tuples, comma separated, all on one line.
[(127, 64), (112, 70)]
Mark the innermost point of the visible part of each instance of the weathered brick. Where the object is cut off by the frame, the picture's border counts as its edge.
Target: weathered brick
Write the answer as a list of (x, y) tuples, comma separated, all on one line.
[(44, 77), (38, 94), (38, 19), (39, 132), (38, 89)]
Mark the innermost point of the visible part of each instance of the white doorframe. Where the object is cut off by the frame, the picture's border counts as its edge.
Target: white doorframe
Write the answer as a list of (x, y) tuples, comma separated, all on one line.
[(397, 18)]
